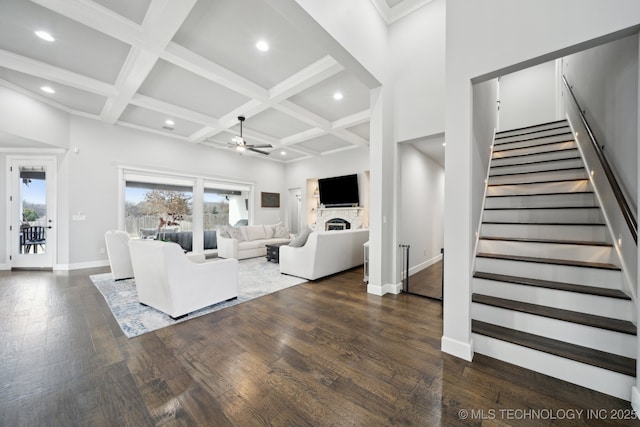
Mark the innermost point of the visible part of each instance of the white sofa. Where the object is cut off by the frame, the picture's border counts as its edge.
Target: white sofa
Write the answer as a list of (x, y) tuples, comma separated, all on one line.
[(167, 280), (325, 253), (250, 241), (117, 243)]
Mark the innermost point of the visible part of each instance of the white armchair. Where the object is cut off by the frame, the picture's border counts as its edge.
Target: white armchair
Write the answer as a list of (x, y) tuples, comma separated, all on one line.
[(167, 280), (118, 250)]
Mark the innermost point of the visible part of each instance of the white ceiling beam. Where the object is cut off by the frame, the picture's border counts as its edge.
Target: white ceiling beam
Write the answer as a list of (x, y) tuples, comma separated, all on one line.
[(54, 74), (203, 67), (173, 110), (352, 120), (302, 136), (97, 17), (156, 131), (305, 78), (162, 21), (302, 114), (350, 137)]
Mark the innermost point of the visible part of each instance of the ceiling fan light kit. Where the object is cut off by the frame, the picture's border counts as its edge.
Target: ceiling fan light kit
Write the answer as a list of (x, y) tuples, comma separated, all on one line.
[(241, 145)]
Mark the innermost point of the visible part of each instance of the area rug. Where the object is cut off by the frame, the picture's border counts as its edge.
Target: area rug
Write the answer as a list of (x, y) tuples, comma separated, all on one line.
[(256, 277)]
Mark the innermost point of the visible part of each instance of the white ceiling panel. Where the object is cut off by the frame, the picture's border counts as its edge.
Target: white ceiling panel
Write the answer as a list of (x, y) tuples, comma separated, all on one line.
[(71, 98), (226, 32), (76, 47), (133, 10), (362, 130), (154, 120), (274, 123), (324, 143), (319, 98), (178, 86), (393, 3)]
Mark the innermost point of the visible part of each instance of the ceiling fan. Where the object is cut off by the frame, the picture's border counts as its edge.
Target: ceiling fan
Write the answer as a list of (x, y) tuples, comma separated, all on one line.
[(241, 145)]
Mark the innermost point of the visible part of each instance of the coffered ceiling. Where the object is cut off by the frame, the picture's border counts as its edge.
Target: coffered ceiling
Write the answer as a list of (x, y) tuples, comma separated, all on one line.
[(186, 69)]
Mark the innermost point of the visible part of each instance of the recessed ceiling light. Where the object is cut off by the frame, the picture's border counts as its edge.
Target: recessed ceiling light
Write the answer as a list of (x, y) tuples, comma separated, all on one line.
[(338, 96), (45, 36), (283, 153), (262, 46), (169, 122), (444, 144), (47, 89)]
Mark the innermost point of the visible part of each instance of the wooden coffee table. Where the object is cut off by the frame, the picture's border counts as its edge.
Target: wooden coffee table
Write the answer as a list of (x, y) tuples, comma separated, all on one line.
[(273, 252)]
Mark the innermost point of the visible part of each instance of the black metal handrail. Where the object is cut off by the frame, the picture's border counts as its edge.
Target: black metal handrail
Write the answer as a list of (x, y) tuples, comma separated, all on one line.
[(627, 213)]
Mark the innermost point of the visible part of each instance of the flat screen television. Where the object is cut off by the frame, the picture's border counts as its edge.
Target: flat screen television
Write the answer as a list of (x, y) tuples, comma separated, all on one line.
[(339, 191)]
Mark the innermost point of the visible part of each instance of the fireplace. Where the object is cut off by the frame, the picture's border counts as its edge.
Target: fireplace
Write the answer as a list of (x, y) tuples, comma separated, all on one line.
[(337, 224)]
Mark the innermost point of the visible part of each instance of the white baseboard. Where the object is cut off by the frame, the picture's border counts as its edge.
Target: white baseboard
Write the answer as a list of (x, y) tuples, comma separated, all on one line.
[(463, 350), (81, 265), (5, 267), (389, 288), (428, 263)]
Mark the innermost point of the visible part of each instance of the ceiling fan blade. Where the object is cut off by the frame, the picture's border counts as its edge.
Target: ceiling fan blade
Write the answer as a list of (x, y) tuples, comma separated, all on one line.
[(260, 146), (258, 151)]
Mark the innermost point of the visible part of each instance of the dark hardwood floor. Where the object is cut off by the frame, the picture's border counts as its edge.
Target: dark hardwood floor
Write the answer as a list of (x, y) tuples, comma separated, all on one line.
[(427, 282), (317, 354)]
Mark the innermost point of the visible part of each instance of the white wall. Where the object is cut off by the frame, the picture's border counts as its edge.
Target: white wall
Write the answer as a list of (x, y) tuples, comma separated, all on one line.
[(484, 124), (605, 81), (337, 164), (420, 207), (24, 117), (528, 97), (93, 176), (417, 45), (484, 40)]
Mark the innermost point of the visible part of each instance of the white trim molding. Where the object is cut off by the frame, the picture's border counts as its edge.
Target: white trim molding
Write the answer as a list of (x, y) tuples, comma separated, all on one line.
[(463, 350)]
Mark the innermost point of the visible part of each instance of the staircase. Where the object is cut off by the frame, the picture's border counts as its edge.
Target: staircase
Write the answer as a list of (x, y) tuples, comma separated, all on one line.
[(547, 286)]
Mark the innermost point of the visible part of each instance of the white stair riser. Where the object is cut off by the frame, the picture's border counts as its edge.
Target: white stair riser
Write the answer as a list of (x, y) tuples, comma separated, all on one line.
[(540, 188), (540, 176), (532, 132), (543, 157), (570, 216), (557, 232), (558, 273), (539, 201), (562, 144), (537, 167), (601, 254), (594, 378), (574, 333), (585, 303)]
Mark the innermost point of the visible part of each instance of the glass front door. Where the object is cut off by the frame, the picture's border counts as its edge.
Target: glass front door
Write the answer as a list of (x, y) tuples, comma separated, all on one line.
[(32, 227)]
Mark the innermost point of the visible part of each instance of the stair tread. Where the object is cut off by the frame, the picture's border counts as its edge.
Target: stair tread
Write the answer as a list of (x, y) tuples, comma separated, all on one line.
[(552, 241), (588, 224), (498, 144), (541, 208), (535, 162), (589, 356), (540, 172), (601, 322), (548, 284), (558, 150), (555, 181), (534, 126), (571, 263), (541, 194)]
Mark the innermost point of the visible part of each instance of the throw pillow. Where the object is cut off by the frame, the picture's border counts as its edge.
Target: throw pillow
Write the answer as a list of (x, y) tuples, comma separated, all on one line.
[(269, 231), (254, 232), (236, 233), (301, 240), (224, 231), (281, 232)]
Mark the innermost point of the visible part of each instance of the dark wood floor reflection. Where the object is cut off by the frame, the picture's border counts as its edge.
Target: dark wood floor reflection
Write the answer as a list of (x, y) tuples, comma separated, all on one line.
[(427, 282), (323, 353)]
